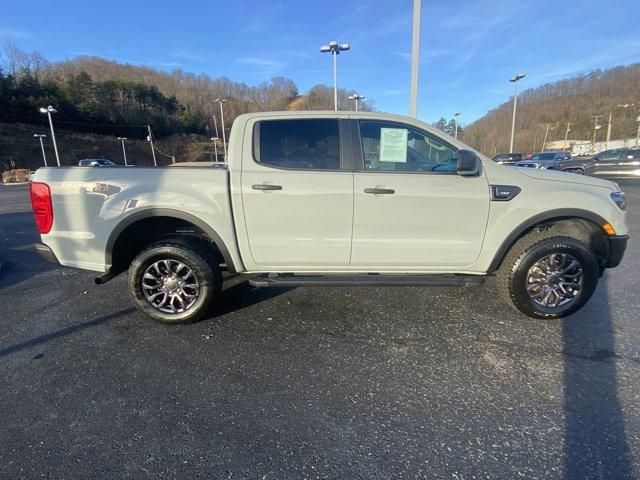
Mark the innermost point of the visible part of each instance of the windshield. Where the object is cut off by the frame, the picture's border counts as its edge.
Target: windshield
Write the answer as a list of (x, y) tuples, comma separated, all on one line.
[(543, 156)]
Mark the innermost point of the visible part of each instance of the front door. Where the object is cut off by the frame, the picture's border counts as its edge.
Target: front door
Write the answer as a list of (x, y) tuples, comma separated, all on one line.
[(608, 162), (297, 195), (411, 208)]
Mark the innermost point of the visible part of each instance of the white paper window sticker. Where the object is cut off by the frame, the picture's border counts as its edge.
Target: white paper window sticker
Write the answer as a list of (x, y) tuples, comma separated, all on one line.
[(393, 145)]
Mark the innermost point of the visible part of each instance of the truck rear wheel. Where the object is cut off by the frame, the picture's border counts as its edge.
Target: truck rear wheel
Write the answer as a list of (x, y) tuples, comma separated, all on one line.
[(174, 282), (545, 275)]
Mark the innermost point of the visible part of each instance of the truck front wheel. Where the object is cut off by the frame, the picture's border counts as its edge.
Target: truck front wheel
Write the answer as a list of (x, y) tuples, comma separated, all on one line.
[(548, 276), (174, 282)]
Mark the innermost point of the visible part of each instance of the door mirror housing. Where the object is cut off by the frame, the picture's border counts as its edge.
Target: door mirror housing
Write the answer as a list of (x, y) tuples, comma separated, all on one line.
[(469, 164)]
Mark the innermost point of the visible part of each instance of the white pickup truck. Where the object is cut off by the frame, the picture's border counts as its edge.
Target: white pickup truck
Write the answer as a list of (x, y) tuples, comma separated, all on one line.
[(334, 198)]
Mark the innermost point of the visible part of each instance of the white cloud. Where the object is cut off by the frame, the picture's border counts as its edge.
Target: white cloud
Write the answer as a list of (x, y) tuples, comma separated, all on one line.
[(259, 62)]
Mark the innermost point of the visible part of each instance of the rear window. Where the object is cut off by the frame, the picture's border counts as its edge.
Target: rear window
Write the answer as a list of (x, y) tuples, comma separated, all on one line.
[(298, 144)]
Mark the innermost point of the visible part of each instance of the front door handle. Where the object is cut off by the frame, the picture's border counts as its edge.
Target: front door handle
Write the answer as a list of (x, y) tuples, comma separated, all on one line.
[(380, 191), (266, 186)]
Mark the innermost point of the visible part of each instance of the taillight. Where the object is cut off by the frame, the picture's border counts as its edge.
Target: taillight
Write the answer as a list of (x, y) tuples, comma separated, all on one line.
[(41, 205)]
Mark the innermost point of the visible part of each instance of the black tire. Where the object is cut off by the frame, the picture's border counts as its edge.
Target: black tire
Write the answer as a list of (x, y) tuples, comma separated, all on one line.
[(513, 273), (196, 257)]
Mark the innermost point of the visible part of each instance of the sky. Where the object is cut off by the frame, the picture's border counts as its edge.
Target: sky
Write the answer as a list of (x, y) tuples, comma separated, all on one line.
[(468, 49)]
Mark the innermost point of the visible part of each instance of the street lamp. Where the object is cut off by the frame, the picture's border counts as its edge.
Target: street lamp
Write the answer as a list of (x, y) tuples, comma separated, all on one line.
[(215, 145), (49, 110), (515, 80), (356, 97), (40, 137), (335, 50), (124, 152), (455, 122), (224, 136)]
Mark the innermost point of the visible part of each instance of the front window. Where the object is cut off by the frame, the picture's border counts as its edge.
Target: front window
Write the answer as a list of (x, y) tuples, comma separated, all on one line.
[(543, 156), (298, 144), (608, 156), (394, 147)]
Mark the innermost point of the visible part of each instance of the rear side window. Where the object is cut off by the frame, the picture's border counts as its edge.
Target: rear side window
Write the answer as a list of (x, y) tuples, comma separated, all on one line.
[(297, 144)]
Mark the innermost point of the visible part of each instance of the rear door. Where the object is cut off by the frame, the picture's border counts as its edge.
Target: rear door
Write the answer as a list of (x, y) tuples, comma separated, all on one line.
[(297, 194), (412, 210), (630, 163)]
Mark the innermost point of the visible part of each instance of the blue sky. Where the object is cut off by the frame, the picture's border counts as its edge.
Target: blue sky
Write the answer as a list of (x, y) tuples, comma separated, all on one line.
[(469, 49)]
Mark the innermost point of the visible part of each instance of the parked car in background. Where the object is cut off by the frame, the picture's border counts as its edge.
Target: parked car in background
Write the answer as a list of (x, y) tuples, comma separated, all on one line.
[(507, 158), (618, 162), (558, 160), (96, 162)]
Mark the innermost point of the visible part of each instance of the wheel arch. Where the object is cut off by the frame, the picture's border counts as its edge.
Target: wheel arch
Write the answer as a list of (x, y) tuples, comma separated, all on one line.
[(544, 218), (157, 213)]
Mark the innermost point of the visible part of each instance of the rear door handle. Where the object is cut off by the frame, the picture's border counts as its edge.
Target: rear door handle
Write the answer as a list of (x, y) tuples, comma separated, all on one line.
[(380, 191), (266, 186)]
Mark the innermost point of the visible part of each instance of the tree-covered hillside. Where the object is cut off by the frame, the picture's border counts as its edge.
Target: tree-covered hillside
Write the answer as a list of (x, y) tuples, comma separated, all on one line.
[(574, 101), (95, 95)]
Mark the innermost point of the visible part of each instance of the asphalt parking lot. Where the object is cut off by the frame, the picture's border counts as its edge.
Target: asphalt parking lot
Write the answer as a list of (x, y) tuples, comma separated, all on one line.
[(314, 382)]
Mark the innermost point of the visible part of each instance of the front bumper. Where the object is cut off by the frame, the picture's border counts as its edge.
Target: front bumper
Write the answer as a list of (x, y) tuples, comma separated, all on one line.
[(618, 245), (45, 252)]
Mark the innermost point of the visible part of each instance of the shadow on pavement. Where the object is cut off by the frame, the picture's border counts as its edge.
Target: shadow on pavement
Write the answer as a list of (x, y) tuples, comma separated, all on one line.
[(241, 295), (19, 261), (595, 439), (65, 331)]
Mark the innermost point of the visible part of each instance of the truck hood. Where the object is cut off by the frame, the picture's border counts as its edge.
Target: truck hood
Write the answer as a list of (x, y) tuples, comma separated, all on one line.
[(556, 176)]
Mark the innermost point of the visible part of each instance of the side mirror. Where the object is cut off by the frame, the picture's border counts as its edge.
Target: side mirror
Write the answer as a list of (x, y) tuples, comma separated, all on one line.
[(469, 164)]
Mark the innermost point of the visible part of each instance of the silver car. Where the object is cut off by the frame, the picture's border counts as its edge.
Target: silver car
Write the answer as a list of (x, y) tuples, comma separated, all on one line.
[(544, 160)]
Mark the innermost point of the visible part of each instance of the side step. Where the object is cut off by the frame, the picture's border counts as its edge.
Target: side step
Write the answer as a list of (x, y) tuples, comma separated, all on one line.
[(361, 279)]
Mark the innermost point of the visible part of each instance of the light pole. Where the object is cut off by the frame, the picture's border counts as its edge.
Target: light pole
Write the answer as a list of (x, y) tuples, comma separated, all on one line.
[(515, 80), (356, 97), (224, 136), (215, 146), (455, 123), (335, 50), (40, 137), (415, 59), (49, 110), (124, 151)]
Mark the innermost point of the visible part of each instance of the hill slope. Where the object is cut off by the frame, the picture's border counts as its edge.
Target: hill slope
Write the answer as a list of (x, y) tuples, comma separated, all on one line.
[(574, 100)]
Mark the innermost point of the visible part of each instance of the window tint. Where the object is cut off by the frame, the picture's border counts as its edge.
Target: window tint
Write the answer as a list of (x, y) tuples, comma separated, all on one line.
[(609, 155), (401, 148), (300, 144)]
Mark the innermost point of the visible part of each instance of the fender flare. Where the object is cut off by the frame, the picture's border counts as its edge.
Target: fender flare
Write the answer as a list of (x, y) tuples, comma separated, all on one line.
[(556, 214), (167, 212)]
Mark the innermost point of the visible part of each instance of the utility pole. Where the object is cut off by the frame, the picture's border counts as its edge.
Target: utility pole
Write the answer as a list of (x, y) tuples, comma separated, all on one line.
[(608, 132), (544, 142), (455, 122), (566, 134), (638, 135), (40, 137), (595, 129), (153, 151), (415, 59)]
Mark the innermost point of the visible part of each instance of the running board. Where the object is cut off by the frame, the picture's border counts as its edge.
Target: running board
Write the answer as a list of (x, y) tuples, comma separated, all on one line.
[(361, 279)]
